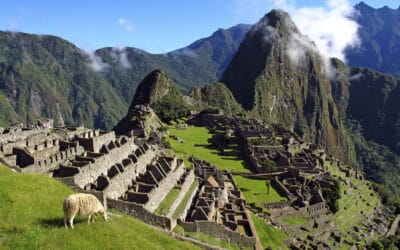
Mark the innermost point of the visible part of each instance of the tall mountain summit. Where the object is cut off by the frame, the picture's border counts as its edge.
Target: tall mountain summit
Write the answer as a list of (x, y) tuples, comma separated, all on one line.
[(278, 75)]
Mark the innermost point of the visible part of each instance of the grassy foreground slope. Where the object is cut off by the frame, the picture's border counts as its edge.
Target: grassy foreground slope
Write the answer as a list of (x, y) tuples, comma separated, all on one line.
[(31, 217)]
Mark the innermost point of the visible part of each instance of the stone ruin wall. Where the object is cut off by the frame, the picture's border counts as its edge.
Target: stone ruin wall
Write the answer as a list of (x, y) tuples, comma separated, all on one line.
[(189, 203), (44, 165), (90, 172), (219, 231), (184, 189), (120, 183), (93, 141), (17, 134), (280, 188), (139, 212), (157, 195)]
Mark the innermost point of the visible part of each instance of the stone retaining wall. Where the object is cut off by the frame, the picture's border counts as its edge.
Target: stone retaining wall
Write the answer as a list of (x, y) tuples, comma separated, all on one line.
[(157, 195), (184, 189), (119, 183), (91, 171), (139, 212), (219, 231), (45, 165), (189, 203)]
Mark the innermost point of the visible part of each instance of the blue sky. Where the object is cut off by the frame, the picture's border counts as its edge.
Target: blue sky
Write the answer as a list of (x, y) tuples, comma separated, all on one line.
[(156, 26)]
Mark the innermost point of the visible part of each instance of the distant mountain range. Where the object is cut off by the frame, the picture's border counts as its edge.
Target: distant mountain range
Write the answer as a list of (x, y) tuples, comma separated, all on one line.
[(34, 68), (380, 39), (46, 76), (355, 115)]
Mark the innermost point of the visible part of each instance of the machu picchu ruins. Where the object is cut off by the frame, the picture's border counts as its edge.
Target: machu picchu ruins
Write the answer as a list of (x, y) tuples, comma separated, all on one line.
[(135, 174)]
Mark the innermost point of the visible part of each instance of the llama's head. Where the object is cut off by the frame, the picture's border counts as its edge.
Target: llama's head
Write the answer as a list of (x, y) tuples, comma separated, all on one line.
[(105, 215)]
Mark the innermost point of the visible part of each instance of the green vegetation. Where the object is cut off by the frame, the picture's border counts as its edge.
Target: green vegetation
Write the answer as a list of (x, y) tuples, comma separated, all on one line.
[(378, 162), (256, 75), (182, 205), (332, 195), (216, 97), (158, 90), (31, 217), (356, 201), (292, 221), (256, 192), (164, 206), (45, 76), (40, 73), (197, 142), (171, 107), (269, 236)]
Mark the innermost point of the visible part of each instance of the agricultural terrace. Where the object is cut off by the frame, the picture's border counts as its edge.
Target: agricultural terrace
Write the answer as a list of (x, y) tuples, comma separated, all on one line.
[(357, 202)]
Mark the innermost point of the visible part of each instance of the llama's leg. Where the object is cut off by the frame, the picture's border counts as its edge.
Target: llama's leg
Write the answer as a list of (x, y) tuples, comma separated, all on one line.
[(90, 217), (65, 222), (71, 220)]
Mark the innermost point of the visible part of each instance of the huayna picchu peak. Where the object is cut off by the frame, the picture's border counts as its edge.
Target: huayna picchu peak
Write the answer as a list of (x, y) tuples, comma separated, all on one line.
[(286, 82), (278, 135)]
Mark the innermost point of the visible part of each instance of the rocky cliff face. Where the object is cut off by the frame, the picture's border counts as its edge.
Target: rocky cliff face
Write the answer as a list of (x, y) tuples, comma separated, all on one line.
[(278, 75), (161, 94)]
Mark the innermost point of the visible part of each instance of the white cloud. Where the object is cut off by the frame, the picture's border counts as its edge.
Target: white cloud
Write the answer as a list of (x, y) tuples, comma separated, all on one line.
[(126, 24), (96, 63), (183, 52), (327, 25), (297, 48), (120, 56), (355, 77)]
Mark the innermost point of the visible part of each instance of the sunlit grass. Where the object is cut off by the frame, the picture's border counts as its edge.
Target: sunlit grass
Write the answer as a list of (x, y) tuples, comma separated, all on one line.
[(31, 217)]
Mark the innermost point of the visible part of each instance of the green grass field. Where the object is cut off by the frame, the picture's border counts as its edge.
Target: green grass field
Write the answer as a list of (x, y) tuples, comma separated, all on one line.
[(292, 221), (31, 217), (164, 206), (269, 236), (255, 191), (196, 141)]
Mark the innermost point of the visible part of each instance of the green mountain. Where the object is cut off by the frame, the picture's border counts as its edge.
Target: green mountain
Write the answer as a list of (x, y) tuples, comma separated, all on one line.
[(379, 34), (279, 87), (160, 93), (45, 76), (215, 97), (198, 64), (353, 112), (373, 112)]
